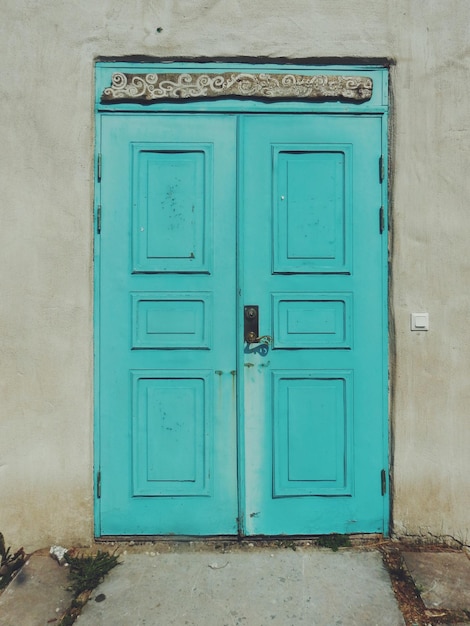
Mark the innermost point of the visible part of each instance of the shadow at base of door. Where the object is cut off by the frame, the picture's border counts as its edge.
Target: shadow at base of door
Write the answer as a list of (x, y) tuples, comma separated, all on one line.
[(259, 541)]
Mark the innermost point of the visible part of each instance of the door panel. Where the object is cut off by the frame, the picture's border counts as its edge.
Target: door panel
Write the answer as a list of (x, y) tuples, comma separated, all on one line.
[(312, 175), (312, 261), (167, 325), (200, 432)]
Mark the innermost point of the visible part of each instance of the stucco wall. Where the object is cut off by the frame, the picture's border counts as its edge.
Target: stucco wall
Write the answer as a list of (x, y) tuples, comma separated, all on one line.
[(47, 49)]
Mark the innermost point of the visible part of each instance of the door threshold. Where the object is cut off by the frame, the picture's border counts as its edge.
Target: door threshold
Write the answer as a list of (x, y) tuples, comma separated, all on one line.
[(281, 541), (136, 539)]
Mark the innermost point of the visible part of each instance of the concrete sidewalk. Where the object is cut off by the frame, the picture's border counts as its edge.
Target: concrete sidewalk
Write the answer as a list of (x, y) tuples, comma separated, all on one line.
[(256, 588), (196, 584), (251, 587)]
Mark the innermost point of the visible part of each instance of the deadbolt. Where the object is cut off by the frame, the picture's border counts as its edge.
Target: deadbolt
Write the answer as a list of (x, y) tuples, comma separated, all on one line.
[(251, 312)]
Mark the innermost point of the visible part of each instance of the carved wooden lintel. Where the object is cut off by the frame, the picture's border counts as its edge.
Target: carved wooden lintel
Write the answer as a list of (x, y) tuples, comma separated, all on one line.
[(172, 86)]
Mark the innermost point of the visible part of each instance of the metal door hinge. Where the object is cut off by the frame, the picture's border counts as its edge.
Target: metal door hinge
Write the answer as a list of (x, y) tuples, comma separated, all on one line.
[(98, 219), (383, 482), (381, 220), (98, 168), (98, 485), (381, 169)]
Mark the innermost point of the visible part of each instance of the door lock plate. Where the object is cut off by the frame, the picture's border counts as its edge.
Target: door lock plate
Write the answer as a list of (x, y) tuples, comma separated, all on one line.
[(251, 327)]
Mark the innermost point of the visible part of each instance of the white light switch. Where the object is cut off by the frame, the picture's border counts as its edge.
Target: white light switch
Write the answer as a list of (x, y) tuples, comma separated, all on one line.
[(420, 321)]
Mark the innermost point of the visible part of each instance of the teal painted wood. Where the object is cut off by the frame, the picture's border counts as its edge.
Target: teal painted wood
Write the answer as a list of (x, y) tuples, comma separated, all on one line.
[(311, 409), (167, 326), (313, 427), (96, 337), (378, 102)]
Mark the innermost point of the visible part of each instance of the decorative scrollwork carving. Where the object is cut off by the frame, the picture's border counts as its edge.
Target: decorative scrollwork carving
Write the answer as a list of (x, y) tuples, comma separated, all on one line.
[(149, 87)]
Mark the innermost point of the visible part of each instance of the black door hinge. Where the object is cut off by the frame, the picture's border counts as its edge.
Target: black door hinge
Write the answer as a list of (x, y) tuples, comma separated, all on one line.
[(381, 220), (98, 219), (98, 484), (381, 169), (383, 482), (98, 168)]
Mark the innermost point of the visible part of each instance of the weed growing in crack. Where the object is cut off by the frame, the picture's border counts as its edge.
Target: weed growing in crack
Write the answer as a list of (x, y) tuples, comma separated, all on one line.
[(86, 572), (9, 563)]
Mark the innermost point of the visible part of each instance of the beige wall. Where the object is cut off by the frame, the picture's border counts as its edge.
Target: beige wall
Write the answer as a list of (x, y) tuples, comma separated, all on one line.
[(47, 49)]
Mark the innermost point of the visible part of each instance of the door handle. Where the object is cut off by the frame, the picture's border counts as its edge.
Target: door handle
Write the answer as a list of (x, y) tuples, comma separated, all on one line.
[(252, 338), (251, 326)]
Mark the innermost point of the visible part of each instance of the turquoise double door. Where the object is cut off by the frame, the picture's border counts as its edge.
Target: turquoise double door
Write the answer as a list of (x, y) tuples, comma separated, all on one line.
[(212, 225)]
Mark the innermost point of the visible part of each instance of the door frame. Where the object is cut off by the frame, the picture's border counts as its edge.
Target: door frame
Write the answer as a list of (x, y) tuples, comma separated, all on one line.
[(377, 105)]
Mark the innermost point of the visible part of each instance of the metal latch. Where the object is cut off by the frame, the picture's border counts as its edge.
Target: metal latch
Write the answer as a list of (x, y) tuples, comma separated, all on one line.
[(251, 328)]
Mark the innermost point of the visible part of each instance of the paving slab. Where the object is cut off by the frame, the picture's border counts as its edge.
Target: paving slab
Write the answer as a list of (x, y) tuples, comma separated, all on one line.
[(37, 595), (250, 588), (443, 578)]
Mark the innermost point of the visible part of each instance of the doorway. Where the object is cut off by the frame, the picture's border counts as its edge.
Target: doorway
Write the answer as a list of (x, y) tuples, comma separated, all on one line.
[(214, 225)]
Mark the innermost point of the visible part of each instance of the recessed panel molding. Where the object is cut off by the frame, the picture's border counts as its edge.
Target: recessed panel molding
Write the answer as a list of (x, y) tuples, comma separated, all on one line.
[(312, 434), (172, 208), (171, 423), (312, 320), (171, 320)]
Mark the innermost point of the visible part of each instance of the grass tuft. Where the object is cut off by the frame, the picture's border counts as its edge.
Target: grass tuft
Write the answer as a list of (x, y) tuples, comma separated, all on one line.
[(86, 572)]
